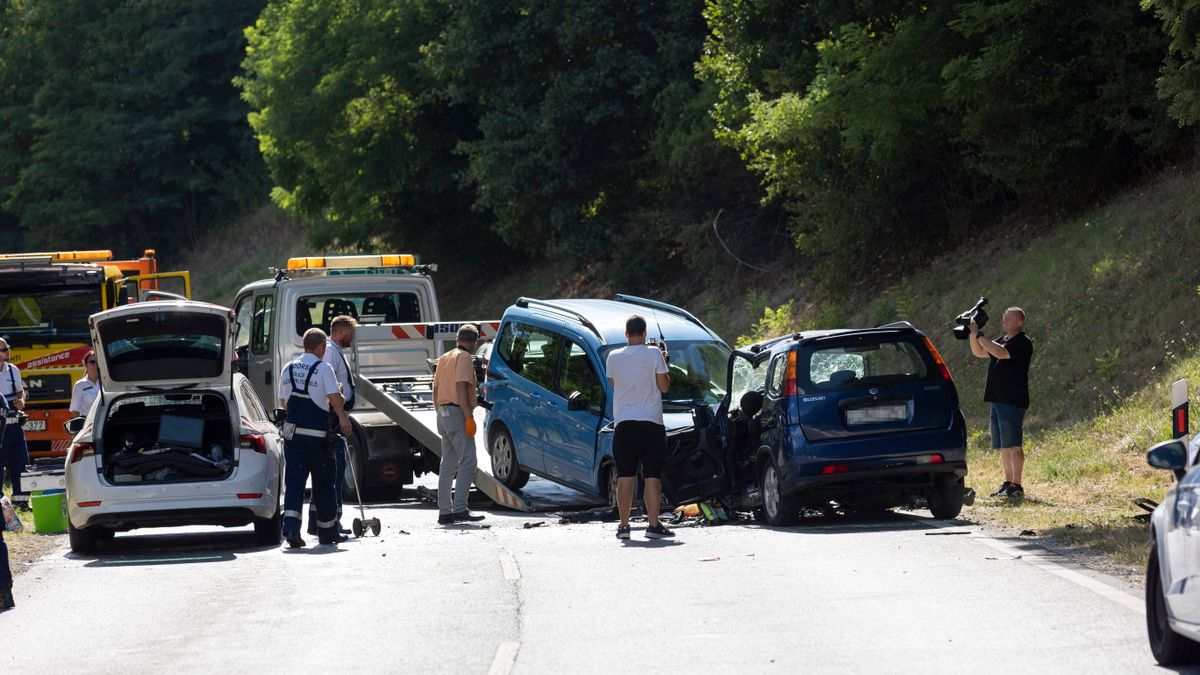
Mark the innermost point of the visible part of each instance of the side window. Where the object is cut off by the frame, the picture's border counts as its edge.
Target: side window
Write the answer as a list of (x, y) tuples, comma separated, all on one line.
[(254, 410), (579, 375), (779, 365), (241, 338), (531, 352), (260, 342), (747, 377)]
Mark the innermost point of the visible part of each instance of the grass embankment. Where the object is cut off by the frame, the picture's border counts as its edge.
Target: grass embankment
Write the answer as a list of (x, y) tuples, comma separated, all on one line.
[(1112, 301)]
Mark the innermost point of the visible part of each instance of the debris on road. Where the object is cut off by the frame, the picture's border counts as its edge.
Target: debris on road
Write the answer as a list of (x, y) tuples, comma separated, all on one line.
[(944, 532), (711, 558), (1028, 533), (530, 526)]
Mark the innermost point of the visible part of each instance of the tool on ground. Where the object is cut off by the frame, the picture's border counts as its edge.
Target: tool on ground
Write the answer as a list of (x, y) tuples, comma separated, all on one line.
[(360, 525)]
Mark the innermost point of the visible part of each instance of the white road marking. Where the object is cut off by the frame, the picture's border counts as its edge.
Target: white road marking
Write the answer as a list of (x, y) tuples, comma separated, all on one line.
[(505, 659), (509, 564), (1039, 561)]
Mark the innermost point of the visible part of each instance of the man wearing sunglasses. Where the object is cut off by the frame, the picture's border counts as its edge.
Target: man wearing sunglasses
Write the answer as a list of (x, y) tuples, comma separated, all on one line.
[(86, 388), (14, 454)]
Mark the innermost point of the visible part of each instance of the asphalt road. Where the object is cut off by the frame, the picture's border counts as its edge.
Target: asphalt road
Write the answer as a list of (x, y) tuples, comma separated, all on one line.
[(897, 594)]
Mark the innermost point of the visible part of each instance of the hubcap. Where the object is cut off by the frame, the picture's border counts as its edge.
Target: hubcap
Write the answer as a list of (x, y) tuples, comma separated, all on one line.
[(501, 457), (771, 492)]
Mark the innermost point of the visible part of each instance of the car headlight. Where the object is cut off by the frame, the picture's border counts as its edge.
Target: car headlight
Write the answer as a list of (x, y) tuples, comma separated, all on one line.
[(1187, 507)]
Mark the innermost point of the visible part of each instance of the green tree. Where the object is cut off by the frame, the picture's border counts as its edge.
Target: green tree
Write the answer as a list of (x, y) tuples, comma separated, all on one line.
[(1180, 79), (123, 123), (356, 133)]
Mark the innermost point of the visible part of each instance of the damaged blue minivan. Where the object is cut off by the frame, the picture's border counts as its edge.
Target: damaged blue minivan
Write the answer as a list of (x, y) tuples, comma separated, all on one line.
[(858, 419)]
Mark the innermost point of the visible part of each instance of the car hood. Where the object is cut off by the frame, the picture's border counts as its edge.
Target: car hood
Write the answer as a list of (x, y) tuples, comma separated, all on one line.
[(152, 346)]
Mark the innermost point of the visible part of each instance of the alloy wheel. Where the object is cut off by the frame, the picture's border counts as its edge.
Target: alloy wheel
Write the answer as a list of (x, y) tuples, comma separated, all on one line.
[(771, 492), (502, 457)]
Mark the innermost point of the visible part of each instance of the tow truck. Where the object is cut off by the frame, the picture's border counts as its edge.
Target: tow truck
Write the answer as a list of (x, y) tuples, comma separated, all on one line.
[(400, 332), (45, 301)]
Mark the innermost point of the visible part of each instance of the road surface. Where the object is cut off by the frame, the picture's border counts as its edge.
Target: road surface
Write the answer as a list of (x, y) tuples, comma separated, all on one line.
[(900, 593)]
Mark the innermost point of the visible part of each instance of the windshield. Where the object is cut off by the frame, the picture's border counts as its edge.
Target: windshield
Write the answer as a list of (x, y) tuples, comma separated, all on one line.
[(49, 316), (697, 370), (164, 346)]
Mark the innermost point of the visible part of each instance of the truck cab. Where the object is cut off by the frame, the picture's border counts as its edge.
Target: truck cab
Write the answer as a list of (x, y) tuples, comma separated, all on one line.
[(273, 314)]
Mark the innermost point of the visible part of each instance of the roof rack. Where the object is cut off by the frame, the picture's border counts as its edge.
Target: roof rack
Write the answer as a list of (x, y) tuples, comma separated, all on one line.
[(672, 309), (524, 302), (897, 324)]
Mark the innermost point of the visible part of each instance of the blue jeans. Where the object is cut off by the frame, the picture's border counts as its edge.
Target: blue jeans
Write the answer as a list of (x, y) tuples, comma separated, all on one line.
[(304, 455), (5, 572), (1007, 422)]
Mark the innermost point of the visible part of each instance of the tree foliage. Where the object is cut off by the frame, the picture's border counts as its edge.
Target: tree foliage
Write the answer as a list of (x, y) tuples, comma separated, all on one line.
[(119, 121)]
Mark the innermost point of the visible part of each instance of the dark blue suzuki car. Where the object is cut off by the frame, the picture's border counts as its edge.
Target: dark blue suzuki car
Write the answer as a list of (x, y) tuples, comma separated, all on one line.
[(864, 419)]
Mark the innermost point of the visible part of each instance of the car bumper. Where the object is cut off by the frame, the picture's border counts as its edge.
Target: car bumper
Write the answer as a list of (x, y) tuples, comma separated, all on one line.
[(858, 480)]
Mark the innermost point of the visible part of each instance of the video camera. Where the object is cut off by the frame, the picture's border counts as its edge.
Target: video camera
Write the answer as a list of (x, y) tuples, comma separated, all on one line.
[(963, 330)]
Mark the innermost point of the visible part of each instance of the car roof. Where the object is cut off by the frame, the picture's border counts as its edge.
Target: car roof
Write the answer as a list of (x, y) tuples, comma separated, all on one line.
[(812, 336), (608, 317)]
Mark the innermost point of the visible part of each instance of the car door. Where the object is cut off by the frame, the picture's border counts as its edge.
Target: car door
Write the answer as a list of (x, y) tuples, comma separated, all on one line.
[(570, 451), (699, 462), (1182, 545), (243, 309), (527, 360), (262, 368)]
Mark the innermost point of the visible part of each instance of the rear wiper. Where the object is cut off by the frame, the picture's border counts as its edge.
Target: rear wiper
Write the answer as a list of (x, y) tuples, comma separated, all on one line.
[(167, 389)]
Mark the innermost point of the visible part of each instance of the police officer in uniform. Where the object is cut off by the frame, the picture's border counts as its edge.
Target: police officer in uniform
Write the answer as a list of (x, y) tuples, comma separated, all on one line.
[(308, 392), (87, 388), (341, 336), (14, 453), (6, 580)]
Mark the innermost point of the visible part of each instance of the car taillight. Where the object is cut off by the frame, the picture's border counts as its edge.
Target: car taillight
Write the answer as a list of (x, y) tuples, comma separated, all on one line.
[(937, 358), (789, 380), (930, 459), (81, 450), (255, 442), (834, 468)]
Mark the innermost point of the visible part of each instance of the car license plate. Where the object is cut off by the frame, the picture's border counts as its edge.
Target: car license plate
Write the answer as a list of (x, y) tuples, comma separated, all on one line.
[(874, 415), (35, 425)]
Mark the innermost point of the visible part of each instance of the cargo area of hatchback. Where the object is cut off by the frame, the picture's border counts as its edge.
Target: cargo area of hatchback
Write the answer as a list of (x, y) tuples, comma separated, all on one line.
[(168, 438)]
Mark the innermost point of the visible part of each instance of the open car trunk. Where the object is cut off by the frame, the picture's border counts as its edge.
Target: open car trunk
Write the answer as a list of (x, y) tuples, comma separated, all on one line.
[(168, 438)]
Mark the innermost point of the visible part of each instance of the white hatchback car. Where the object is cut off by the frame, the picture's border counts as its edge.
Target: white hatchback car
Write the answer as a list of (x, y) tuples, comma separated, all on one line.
[(176, 436)]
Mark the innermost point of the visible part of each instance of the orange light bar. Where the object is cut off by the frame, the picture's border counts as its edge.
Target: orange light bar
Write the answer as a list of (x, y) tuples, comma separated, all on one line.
[(63, 256), (352, 261)]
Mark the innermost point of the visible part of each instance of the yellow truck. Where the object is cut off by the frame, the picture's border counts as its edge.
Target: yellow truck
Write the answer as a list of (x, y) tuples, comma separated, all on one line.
[(45, 301)]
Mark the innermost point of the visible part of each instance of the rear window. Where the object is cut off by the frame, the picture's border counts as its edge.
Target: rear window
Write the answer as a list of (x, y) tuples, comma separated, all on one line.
[(864, 365), (318, 310), (164, 346)]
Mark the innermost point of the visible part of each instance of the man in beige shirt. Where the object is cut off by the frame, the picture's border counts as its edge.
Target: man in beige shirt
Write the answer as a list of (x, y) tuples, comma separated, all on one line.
[(454, 399)]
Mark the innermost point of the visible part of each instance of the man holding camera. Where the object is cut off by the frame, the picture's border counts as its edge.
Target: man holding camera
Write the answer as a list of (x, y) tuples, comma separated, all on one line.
[(1007, 389)]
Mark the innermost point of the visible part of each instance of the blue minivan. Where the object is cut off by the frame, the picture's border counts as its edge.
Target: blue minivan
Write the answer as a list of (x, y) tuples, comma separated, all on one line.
[(855, 419), (551, 404)]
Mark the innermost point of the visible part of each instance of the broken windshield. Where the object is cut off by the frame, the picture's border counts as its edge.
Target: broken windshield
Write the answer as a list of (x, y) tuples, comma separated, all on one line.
[(697, 370)]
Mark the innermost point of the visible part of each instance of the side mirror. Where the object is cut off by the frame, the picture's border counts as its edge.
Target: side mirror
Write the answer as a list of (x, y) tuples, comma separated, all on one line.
[(1169, 455), (577, 401), (74, 425)]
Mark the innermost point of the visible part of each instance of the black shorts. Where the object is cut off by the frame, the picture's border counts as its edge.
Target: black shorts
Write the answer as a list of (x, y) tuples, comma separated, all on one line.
[(637, 441)]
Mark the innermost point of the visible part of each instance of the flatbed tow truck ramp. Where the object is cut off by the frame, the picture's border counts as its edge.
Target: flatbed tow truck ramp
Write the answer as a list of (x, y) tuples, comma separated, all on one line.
[(408, 399)]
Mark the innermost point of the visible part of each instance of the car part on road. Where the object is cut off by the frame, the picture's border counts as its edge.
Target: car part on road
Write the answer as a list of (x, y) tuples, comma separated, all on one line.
[(361, 524)]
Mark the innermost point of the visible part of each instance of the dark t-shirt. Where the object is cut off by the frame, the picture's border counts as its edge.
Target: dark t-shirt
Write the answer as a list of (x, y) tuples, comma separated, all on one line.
[(1008, 379)]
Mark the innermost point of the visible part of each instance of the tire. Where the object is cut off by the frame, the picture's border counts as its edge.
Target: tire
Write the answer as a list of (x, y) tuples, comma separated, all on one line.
[(946, 498), (369, 494), (610, 484), (1169, 648), (83, 540), (268, 531), (505, 466), (778, 509)]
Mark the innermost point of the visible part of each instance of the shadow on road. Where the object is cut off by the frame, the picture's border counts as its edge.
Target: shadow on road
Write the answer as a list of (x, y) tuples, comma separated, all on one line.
[(173, 548)]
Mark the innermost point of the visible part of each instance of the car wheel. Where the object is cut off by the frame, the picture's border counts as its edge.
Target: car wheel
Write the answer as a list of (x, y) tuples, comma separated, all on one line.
[(946, 498), (610, 484), (505, 466), (778, 509), (1169, 648), (267, 531), (83, 540)]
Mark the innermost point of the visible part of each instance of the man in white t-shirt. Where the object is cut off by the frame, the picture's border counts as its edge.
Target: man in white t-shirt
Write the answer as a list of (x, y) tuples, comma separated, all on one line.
[(638, 376)]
